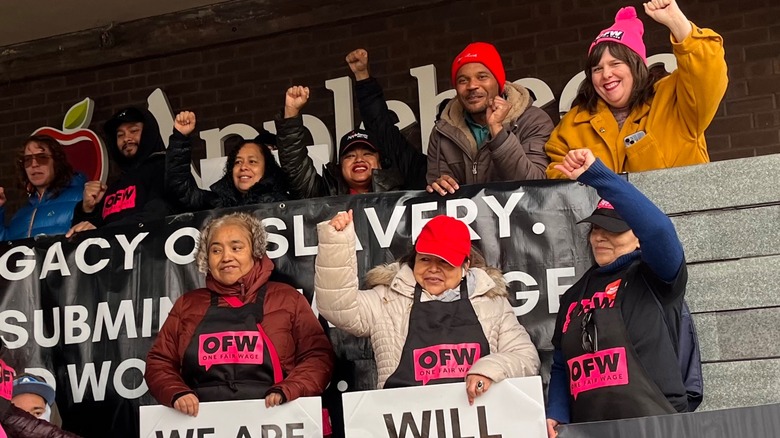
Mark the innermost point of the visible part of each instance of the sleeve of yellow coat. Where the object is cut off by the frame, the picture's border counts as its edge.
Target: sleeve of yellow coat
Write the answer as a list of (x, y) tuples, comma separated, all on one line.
[(701, 77), (556, 148)]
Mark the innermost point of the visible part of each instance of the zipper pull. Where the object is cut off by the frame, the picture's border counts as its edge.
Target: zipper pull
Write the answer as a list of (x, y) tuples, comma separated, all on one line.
[(474, 168)]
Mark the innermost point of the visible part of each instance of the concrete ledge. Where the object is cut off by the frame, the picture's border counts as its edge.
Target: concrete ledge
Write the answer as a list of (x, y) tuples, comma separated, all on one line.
[(730, 234), (734, 284), (722, 184), (744, 383), (738, 335)]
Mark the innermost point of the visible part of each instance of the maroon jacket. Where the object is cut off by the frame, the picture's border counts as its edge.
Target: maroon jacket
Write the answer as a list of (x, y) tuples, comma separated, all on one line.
[(304, 351)]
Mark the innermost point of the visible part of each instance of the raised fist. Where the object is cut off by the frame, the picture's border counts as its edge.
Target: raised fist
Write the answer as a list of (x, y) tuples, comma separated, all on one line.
[(2, 196), (184, 122), (294, 100), (93, 194), (358, 63), (496, 113)]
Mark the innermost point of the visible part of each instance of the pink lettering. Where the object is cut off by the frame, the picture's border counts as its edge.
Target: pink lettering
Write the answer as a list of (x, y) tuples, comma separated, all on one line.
[(598, 370), (6, 381), (444, 361), (121, 200), (244, 347)]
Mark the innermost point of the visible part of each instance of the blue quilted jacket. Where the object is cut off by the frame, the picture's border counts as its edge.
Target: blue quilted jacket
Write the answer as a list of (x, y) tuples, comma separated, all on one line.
[(45, 215)]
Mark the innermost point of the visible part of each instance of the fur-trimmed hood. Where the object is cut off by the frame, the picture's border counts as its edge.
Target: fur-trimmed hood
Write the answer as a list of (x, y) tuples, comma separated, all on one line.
[(400, 278), (517, 95)]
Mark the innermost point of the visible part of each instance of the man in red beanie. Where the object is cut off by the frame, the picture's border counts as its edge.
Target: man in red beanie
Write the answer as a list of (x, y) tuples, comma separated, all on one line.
[(490, 131)]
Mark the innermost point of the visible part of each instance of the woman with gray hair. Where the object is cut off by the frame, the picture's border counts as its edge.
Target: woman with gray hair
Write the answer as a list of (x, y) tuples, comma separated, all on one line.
[(242, 336)]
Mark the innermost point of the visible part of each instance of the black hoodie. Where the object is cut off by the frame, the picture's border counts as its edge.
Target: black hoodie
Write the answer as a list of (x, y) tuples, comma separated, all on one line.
[(138, 195)]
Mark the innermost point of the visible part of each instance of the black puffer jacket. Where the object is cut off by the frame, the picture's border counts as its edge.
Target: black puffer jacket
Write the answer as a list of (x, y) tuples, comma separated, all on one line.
[(394, 148), (180, 184), (302, 176)]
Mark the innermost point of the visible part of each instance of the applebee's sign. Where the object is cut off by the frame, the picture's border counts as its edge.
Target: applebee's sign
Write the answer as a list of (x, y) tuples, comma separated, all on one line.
[(86, 152)]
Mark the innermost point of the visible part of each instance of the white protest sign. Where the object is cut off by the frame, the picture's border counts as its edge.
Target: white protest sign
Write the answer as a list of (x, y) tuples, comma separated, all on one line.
[(511, 408), (301, 418)]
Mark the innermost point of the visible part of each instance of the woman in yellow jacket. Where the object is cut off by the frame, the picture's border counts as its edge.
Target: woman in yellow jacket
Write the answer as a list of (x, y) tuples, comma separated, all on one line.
[(630, 120)]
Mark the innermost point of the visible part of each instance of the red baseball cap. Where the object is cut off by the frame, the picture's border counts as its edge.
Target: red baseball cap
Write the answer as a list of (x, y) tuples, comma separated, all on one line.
[(446, 238)]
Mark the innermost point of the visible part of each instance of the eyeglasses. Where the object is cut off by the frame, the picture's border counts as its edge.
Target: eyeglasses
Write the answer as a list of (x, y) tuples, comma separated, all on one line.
[(590, 344), (42, 159)]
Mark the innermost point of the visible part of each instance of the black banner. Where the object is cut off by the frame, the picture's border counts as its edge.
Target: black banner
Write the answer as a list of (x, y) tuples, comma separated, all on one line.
[(87, 309)]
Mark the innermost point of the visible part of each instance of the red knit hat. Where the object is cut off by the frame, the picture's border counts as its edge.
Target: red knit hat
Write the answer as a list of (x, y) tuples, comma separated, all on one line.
[(627, 30), (485, 54), (447, 238)]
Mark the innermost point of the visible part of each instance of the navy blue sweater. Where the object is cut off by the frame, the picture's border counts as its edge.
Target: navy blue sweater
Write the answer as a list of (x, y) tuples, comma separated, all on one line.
[(661, 250)]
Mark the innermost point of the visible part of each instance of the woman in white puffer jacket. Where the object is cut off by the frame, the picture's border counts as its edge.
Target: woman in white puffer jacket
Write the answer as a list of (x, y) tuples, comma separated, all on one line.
[(421, 329)]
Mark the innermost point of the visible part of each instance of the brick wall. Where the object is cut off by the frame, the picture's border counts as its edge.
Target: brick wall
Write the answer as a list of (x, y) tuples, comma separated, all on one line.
[(243, 81)]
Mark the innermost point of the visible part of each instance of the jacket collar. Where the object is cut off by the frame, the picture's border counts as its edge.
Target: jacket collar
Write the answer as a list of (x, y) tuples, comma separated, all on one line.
[(584, 116), (453, 113)]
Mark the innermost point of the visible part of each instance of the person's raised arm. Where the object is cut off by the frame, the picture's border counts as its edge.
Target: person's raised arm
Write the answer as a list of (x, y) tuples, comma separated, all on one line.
[(179, 182), (701, 76), (381, 123), (294, 158), (336, 285), (661, 249)]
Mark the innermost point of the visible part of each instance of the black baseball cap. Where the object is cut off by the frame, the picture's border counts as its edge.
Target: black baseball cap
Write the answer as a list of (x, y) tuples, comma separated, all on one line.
[(356, 137), (607, 218), (127, 115)]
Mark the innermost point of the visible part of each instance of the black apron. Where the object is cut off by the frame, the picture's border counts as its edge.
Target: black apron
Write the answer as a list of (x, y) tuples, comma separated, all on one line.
[(230, 357), (607, 381), (443, 342)]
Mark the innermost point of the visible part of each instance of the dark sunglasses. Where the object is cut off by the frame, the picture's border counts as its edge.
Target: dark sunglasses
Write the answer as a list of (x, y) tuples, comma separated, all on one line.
[(590, 344), (42, 159)]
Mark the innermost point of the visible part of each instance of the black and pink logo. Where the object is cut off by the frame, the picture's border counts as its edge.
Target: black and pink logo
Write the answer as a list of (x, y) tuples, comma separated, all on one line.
[(444, 361), (598, 370), (121, 200), (600, 300), (229, 348)]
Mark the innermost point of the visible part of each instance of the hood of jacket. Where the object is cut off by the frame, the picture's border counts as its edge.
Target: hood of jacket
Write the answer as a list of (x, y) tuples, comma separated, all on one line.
[(517, 95), (151, 143), (400, 278)]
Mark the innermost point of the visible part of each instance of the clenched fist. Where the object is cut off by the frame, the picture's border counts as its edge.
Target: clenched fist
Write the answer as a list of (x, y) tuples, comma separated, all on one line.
[(358, 63), (496, 113), (2, 196), (93, 194), (341, 220), (184, 122), (294, 100)]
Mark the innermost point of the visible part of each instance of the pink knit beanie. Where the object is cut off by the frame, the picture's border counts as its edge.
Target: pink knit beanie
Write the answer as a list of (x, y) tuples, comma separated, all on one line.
[(627, 30)]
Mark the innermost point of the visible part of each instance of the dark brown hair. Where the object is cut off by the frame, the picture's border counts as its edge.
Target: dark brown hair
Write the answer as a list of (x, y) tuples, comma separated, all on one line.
[(63, 171), (642, 91)]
